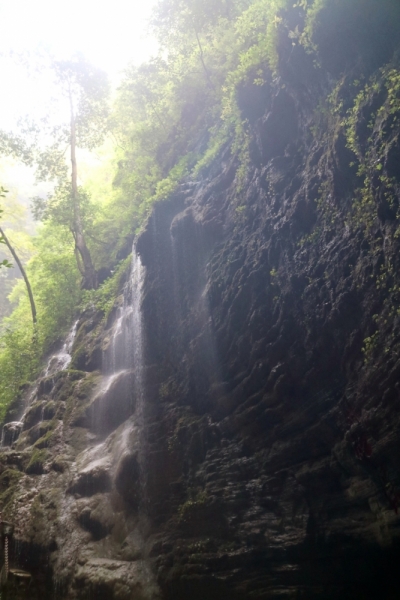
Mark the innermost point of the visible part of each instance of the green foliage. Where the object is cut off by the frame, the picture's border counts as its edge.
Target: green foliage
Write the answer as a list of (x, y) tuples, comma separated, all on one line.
[(55, 283), (8, 486), (19, 361), (365, 111), (89, 89), (82, 91), (310, 238), (189, 510), (369, 344), (45, 439), (175, 114), (36, 461), (103, 298), (372, 130), (83, 103), (58, 207)]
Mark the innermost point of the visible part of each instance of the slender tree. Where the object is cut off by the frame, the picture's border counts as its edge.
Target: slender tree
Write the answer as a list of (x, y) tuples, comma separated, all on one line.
[(23, 273), (86, 90), (4, 240), (3, 263)]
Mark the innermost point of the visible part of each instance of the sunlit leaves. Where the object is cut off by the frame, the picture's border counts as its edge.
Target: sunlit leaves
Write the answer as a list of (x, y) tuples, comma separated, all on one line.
[(55, 282)]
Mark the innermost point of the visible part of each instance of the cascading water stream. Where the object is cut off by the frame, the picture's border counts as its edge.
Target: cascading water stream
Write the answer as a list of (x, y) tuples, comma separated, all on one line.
[(136, 284), (137, 337), (115, 440), (123, 359), (57, 362), (120, 392), (60, 360), (125, 349)]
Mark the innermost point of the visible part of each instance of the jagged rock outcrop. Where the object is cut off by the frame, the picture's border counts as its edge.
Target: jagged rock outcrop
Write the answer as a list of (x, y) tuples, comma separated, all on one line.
[(258, 457)]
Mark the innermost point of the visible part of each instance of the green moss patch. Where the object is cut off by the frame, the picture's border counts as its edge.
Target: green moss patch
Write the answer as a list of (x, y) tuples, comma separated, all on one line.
[(79, 397), (8, 486), (35, 465)]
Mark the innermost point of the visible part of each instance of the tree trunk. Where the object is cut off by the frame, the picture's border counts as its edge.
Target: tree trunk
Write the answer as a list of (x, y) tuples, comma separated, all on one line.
[(89, 274), (24, 275), (202, 59)]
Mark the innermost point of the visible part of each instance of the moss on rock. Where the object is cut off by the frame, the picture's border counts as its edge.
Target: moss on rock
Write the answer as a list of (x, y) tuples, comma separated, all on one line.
[(36, 463), (8, 486)]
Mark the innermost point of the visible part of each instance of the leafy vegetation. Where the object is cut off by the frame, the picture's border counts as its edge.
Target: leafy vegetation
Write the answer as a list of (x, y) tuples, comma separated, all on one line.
[(103, 298)]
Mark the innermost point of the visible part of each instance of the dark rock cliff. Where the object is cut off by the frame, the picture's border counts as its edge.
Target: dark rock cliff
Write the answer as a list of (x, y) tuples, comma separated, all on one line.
[(260, 457)]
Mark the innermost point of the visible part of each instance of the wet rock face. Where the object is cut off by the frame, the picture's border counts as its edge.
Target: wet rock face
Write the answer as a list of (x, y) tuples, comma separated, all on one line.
[(91, 481), (271, 460), (107, 579), (11, 432), (253, 453), (112, 404), (127, 480)]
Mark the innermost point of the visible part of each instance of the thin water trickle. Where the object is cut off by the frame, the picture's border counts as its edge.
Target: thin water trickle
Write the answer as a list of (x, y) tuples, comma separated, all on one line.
[(137, 326), (60, 361), (137, 338), (57, 362)]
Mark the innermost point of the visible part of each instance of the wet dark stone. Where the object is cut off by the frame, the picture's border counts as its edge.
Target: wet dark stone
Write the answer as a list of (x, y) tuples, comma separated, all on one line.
[(93, 525), (127, 480), (11, 432), (88, 483), (113, 405)]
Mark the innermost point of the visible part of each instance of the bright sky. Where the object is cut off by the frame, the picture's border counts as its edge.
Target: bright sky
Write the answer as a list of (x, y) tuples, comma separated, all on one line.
[(110, 34)]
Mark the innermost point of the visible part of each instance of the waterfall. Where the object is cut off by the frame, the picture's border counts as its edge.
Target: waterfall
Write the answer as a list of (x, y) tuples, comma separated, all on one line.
[(122, 360), (125, 348), (120, 400), (120, 392), (113, 464)]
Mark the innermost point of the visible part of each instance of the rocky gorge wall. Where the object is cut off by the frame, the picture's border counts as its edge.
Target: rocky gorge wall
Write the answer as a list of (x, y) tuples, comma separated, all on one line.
[(258, 458)]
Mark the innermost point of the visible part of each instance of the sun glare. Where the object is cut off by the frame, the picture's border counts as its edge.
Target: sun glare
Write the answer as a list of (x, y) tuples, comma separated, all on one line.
[(110, 35)]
